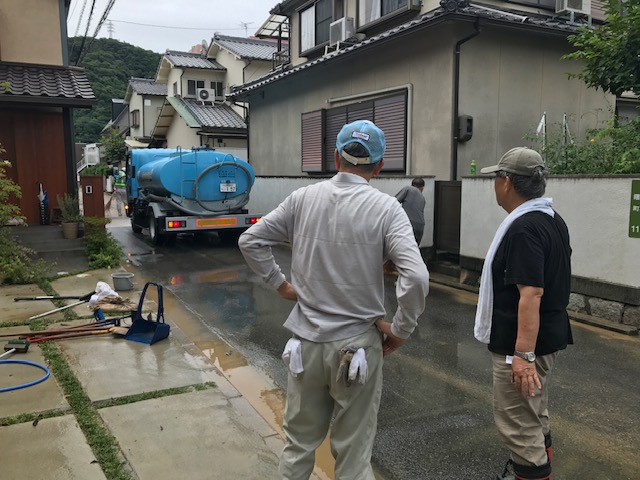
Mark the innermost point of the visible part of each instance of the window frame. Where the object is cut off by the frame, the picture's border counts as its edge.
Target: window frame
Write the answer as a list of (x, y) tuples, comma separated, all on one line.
[(319, 129), (306, 46), (193, 86), (135, 118), (411, 5)]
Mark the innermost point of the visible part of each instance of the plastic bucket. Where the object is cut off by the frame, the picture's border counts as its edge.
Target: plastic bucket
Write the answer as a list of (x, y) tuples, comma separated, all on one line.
[(122, 281)]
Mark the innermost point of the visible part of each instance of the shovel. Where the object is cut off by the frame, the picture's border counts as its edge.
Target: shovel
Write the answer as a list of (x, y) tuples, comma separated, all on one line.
[(53, 297)]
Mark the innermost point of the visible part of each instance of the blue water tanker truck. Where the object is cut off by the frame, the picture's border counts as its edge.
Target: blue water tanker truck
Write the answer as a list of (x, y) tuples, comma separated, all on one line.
[(173, 191)]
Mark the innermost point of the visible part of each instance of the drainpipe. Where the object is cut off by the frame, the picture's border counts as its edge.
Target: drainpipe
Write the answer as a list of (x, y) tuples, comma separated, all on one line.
[(456, 100)]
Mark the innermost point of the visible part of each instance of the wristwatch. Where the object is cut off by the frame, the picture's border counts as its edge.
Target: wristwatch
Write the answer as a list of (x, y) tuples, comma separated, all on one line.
[(528, 356)]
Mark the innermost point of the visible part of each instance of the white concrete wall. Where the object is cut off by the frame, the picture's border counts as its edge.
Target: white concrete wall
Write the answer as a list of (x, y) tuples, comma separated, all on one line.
[(269, 192), (596, 210), (181, 135)]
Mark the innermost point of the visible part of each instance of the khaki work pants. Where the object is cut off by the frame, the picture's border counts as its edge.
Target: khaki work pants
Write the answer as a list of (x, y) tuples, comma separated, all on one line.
[(522, 422), (315, 403)]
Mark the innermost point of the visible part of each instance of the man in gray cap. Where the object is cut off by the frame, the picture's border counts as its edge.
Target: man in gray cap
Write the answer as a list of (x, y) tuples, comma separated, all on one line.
[(521, 314), (340, 232)]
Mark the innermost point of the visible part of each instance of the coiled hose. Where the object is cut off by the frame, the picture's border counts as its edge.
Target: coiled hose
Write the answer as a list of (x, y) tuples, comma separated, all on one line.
[(30, 384)]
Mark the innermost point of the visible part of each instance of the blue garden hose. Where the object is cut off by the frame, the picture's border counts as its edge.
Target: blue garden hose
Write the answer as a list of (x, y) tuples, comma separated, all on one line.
[(30, 384)]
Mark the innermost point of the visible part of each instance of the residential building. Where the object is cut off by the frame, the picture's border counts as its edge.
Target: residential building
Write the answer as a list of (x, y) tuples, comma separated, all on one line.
[(448, 82), (144, 99), (195, 111), (36, 109)]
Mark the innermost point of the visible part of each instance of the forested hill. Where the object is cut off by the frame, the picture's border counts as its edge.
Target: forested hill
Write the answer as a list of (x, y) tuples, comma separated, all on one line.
[(109, 65)]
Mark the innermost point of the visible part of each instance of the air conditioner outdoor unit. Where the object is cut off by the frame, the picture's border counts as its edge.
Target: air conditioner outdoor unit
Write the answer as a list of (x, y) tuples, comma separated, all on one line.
[(575, 6), (341, 29), (206, 94)]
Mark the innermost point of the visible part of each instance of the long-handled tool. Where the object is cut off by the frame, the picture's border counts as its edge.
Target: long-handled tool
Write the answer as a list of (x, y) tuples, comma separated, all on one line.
[(55, 297), (75, 304)]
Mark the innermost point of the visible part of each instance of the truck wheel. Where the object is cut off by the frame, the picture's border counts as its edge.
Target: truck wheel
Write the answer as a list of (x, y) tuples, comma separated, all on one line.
[(154, 231), (134, 227)]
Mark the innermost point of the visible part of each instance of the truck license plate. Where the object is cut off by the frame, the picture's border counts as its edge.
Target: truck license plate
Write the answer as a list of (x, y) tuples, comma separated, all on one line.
[(227, 187)]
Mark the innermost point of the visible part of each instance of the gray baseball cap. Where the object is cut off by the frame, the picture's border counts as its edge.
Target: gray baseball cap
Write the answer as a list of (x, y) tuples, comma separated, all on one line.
[(519, 160)]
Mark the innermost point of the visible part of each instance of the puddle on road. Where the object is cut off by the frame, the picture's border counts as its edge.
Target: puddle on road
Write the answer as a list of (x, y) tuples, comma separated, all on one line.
[(259, 390)]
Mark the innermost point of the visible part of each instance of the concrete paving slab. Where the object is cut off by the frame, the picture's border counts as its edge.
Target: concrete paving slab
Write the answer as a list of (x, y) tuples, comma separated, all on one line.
[(13, 311), (55, 449), (37, 398), (111, 367), (196, 435)]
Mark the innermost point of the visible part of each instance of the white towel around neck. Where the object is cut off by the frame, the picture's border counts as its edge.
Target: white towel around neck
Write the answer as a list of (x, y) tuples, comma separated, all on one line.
[(484, 311)]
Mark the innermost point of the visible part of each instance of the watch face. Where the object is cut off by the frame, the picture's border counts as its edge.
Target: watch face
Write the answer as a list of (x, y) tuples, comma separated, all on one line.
[(530, 356)]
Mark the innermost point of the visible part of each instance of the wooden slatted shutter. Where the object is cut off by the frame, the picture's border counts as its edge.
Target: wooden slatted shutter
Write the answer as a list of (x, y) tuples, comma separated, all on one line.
[(390, 115), (334, 121), (312, 141)]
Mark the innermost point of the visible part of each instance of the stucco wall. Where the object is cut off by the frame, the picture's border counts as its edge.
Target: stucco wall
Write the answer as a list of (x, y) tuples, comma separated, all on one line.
[(275, 131), (508, 81), (181, 135), (596, 210), (268, 192), (135, 103), (30, 32), (151, 113)]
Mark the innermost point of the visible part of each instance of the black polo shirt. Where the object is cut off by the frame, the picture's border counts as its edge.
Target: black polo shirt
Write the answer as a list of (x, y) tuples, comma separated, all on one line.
[(535, 251)]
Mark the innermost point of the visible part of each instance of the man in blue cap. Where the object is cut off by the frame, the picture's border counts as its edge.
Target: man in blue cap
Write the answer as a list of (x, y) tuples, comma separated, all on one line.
[(341, 231)]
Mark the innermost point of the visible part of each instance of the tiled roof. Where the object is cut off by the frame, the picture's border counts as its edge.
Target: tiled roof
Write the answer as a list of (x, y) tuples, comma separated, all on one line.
[(191, 60), (470, 13), (249, 48), (214, 116), (46, 84), (146, 86)]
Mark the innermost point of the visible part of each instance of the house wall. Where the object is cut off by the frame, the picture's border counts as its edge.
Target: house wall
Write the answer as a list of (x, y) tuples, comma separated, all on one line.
[(34, 143), (152, 107), (136, 103), (181, 135), (268, 192), (174, 76), (30, 32), (508, 81), (276, 115), (198, 74)]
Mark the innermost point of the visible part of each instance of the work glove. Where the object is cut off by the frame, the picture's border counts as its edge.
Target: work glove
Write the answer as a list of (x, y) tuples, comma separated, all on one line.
[(352, 365), (292, 356)]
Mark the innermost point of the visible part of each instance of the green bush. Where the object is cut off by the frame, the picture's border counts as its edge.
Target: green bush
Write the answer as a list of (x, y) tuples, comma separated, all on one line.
[(16, 263), (102, 249), (101, 169), (69, 207), (611, 150)]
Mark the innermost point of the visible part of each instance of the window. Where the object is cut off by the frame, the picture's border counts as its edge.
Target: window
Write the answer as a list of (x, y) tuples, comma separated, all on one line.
[(219, 89), (545, 4), (192, 85), (135, 118), (314, 24), (371, 10), (175, 88), (320, 129)]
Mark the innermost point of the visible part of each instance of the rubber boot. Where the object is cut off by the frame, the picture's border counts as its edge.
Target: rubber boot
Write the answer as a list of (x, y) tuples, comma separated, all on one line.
[(547, 445), (514, 471)]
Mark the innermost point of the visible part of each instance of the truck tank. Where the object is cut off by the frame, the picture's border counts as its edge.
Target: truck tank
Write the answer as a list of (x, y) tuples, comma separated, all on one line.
[(197, 182)]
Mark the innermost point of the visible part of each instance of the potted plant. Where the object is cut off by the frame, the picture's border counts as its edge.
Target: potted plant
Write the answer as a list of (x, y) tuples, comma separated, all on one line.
[(70, 212)]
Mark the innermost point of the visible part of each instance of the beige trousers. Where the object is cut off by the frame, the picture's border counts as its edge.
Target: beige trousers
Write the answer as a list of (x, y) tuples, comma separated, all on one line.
[(522, 422), (316, 403)]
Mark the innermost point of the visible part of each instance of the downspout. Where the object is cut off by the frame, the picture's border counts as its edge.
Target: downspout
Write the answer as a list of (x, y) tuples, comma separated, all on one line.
[(456, 99)]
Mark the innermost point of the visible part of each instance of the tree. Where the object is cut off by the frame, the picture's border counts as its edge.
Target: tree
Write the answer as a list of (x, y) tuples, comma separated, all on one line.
[(114, 148), (8, 189), (609, 53)]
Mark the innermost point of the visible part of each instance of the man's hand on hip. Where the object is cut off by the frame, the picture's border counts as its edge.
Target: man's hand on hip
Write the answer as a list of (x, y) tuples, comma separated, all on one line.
[(287, 291), (391, 343), (525, 377)]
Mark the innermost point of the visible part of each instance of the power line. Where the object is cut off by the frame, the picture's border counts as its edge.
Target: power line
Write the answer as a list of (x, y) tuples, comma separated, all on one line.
[(84, 38), (105, 14), (207, 29)]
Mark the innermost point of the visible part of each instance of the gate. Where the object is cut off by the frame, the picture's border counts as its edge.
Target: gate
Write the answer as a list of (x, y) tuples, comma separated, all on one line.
[(447, 217)]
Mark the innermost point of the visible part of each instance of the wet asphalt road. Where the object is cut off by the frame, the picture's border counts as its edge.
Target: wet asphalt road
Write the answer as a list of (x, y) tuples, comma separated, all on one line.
[(435, 420)]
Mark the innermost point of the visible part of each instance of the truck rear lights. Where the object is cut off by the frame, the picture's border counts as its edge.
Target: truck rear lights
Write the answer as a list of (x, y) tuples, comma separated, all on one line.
[(252, 220), (176, 224)]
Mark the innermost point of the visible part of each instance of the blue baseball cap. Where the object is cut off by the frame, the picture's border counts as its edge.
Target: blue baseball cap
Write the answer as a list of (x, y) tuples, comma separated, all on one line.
[(366, 134)]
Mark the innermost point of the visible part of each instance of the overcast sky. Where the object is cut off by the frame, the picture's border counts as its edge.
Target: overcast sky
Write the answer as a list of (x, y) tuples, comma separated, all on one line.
[(159, 25)]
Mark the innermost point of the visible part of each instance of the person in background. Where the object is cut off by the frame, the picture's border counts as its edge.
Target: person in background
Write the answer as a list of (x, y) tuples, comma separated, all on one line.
[(121, 190), (413, 202), (521, 313), (340, 231)]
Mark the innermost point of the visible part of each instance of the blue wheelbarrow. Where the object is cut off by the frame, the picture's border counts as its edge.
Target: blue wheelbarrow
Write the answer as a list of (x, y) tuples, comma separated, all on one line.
[(148, 331)]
